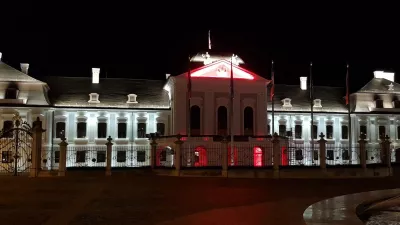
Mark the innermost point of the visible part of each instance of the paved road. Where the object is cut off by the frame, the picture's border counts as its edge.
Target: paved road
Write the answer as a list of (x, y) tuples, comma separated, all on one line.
[(138, 199)]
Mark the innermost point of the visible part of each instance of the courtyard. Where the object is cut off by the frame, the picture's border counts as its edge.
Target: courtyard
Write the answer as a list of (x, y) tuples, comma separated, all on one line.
[(83, 198)]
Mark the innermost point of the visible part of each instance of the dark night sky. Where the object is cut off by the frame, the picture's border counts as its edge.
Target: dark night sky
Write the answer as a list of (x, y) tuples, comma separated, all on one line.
[(147, 41)]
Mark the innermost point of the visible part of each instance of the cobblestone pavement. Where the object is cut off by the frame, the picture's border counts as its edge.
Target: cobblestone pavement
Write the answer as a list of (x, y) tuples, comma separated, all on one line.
[(83, 199)]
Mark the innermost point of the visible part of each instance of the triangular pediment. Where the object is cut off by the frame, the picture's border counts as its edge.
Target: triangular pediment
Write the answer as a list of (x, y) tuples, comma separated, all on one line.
[(381, 85), (222, 70)]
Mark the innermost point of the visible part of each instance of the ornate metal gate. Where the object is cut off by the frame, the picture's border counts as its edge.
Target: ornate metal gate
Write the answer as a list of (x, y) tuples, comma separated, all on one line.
[(16, 147)]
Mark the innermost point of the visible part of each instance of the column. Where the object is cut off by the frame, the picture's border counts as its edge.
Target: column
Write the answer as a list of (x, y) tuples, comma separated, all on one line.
[(109, 145), (363, 152), (177, 160), (276, 154), (63, 157), (36, 147), (322, 152), (388, 152), (224, 153)]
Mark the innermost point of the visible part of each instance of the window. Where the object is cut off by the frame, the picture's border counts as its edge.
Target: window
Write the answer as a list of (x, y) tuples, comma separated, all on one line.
[(121, 130), (379, 103), (56, 156), (11, 93), (6, 157), (398, 132), (315, 132), (102, 130), (329, 154), (195, 114), (345, 132), (81, 130), (141, 130), (80, 156), (363, 129), (101, 156), (161, 128), (299, 154), (7, 126), (396, 104), (60, 129), (141, 156), (222, 117), (248, 121), (121, 156), (298, 131), (329, 132), (268, 129), (382, 131), (282, 130)]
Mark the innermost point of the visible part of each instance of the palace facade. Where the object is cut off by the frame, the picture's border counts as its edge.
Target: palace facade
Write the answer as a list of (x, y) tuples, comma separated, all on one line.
[(87, 110)]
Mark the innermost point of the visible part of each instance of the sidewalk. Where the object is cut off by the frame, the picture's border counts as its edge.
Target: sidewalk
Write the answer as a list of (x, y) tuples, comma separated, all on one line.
[(139, 199)]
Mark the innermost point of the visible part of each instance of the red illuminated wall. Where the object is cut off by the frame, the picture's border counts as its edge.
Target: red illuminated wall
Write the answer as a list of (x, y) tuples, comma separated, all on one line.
[(232, 158), (202, 156), (257, 156)]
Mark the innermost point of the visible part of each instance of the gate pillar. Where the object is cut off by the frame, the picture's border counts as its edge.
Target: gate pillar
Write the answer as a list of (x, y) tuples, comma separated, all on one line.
[(37, 131)]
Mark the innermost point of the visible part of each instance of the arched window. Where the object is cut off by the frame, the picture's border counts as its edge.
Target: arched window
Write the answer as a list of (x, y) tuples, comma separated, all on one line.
[(257, 156), (248, 121), (195, 120), (222, 117)]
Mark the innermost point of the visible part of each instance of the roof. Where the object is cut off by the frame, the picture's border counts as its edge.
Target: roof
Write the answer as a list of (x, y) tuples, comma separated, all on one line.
[(215, 56), (10, 74), (332, 98), (380, 85), (113, 92)]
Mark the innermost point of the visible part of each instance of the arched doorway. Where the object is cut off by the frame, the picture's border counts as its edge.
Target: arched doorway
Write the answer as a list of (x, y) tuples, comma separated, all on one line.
[(284, 156), (164, 156), (222, 123), (195, 120), (200, 156), (257, 156), (248, 121)]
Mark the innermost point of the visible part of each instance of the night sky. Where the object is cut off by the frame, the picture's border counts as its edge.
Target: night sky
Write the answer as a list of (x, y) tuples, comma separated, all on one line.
[(148, 41)]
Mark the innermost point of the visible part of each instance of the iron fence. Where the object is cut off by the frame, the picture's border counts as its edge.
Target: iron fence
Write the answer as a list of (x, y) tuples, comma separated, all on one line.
[(250, 155), (86, 156), (50, 157), (373, 154), (342, 154), (207, 155), (131, 156), (299, 154)]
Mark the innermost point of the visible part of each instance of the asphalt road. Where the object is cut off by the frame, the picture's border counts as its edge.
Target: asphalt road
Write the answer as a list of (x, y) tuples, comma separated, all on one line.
[(84, 198)]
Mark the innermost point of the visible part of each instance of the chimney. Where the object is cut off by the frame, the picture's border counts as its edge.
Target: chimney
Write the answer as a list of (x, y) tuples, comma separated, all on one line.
[(24, 67), (1, 54), (303, 83), (167, 76), (95, 75)]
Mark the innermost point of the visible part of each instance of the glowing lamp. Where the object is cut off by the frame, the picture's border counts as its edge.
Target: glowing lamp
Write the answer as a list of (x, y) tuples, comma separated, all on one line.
[(24, 67), (95, 75), (384, 75), (1, 54)]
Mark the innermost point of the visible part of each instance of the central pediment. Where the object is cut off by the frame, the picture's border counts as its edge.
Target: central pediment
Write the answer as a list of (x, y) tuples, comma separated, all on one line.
[(222, 69)]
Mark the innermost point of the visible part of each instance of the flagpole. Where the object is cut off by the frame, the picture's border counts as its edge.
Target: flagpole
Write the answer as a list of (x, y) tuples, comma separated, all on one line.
[(209, 39), (272, 98), (312, 111), (231, 107), (189, 96), (348, 112)]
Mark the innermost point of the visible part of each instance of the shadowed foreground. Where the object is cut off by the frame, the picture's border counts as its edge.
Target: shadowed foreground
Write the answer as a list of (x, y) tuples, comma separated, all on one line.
[(88, 198)]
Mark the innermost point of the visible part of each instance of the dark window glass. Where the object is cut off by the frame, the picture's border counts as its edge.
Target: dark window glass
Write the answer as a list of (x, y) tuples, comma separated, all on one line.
[(141, 130), (282, 130), (329, 155), (101, 156), (195, 119), (102, 130), (269, 129), (7, 126), (382, 131), (329, 132), (298, 131), (56, 156), (299, 154), (163, 155), (11, 93), (161, 128), (80, 156), (6, 157), (398, 132), (121, 130), (141, 156), (81, 130), (345, 132), (248, 121), (222, 117), (121, 156), (379, 103), (60, 129), (315, 132), (396, 104), (363, 129)]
